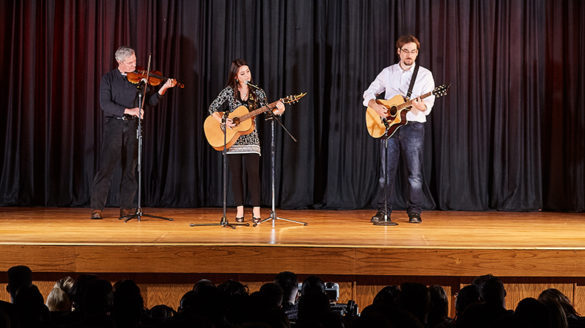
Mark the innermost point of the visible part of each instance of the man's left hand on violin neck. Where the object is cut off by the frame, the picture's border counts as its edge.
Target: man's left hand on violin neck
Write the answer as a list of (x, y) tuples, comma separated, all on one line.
[(170, 83)]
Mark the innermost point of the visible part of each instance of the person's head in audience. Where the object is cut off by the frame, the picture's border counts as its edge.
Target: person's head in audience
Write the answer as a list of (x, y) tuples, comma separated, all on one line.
[(233, 296), (491, 290), (191, 313), (388, 296), (97, 299), (66, 284), (415, 298), (383, 315), (60, 297), (313, 285), (232, 288), (79, 289), (187, 303), (561, 312), (491, 310), (58, 300), (159, 314), (289, 283), (314, 308), (19, 277), (555, 295), (128, 303), (467, 296), (374, 315), (207, 299), (439, 306), (530, 313), (202, 283), (30, 306), (480, 280), (272, 293)]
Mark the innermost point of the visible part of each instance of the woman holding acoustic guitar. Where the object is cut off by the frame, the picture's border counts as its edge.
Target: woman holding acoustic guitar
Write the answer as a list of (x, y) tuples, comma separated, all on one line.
[(246, 150)]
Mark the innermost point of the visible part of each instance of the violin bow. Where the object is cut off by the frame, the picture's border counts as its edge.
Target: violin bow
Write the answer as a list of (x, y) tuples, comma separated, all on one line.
[(146, 84)]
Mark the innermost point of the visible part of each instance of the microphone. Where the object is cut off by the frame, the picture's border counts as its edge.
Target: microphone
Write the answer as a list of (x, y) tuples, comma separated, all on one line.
[(253, 85)]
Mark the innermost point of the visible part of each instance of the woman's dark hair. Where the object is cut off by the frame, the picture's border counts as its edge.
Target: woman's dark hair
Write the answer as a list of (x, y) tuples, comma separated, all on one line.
[(555, 295), (233, 75), (233, 81)]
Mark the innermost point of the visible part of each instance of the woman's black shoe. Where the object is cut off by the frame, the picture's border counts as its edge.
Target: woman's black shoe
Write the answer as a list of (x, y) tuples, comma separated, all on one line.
[(239, 220), (256, 220)]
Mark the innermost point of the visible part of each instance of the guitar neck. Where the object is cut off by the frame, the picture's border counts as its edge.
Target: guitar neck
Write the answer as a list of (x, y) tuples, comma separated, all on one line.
[(409, 103), (259, 111)]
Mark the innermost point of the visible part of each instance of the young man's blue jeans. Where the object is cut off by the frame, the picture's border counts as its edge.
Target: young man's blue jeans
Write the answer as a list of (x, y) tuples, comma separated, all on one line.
[(407, 141)]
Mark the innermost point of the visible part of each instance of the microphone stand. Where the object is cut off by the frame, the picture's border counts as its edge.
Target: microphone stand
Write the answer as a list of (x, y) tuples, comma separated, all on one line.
[(139, 214), (223, 222), (387, 221), (273, 216)]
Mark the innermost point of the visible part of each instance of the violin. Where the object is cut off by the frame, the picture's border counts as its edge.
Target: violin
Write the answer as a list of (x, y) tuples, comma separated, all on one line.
[(154, 78)]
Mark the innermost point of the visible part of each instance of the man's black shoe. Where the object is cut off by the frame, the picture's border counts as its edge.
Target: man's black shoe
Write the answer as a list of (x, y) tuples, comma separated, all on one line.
[(378, 220), (414, 218), (96, 214), (379, 216)]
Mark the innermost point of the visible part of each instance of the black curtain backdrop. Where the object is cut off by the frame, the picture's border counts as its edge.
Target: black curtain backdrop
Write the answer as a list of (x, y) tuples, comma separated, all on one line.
[(509, 136)]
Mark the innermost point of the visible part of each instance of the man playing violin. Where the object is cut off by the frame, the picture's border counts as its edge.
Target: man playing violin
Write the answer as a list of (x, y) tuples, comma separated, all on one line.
[(119, 102)]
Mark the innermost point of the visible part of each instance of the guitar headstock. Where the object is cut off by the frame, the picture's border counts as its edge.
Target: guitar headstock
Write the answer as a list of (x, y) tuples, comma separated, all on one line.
[(441, 90), (293, 98)]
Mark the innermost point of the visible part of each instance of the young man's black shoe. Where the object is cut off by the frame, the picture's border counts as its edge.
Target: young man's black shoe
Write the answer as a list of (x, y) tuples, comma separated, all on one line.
[(414, 218), (379, 216)]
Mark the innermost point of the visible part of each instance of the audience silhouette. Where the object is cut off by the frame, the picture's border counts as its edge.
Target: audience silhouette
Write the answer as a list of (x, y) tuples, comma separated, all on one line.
[(91, 302), (289, 283)]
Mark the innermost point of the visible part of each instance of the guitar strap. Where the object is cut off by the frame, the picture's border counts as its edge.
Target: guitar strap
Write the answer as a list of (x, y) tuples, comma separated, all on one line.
[(412, 80)]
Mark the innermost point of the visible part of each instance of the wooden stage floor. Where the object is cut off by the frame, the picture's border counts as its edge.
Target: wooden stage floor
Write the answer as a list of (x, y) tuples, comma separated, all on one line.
[(521, 244)]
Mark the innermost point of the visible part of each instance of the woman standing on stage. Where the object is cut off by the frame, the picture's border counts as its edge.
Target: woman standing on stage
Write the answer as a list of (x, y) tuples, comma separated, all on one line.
[(246, 150)]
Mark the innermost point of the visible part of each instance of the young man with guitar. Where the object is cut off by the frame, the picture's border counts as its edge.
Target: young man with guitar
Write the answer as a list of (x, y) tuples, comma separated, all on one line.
[(402, 128)]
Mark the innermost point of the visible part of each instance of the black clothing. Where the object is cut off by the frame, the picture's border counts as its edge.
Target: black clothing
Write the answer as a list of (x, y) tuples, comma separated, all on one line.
[(575, 321), (116, 94), (119, 145), (119, 142), (252, 166)]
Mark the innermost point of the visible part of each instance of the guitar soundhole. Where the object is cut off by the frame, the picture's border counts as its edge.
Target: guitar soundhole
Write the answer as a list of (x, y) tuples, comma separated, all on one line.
[(392, 111), (236, 120)]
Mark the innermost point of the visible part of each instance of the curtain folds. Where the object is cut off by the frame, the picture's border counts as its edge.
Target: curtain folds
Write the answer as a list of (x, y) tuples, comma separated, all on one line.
[(508, 136)]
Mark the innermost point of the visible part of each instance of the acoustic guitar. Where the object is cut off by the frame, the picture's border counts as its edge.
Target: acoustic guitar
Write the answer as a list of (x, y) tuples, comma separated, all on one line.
[(243, 119), (397, 106)]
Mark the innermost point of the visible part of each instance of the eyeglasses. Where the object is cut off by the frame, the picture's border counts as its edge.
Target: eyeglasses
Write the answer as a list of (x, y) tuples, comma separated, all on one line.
[(406, 52)]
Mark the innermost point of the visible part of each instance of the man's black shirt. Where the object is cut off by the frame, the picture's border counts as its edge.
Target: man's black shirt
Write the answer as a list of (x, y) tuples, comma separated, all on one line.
[(116, 94)]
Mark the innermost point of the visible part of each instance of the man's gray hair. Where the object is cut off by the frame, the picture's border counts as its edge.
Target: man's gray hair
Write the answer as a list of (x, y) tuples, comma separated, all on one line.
[(122, 53)]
